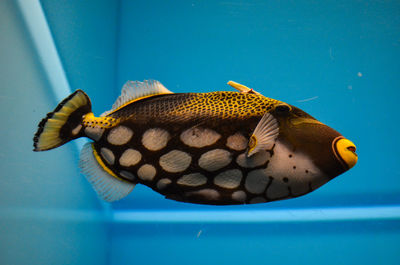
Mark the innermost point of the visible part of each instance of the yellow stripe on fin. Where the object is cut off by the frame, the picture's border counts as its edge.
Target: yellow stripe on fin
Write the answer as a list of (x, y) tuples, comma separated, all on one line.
[(134, 91), (105, 182), (264, 135), (89, 120)]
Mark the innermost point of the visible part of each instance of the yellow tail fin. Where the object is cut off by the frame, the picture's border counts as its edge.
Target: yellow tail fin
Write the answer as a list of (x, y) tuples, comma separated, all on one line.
[(64, 123)]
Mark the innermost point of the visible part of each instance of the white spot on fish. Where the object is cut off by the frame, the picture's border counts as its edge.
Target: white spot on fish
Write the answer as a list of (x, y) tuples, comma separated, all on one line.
[(239, 196), (258, 200), (256, 181), (94, 133), (108, 155), (215, 159), (229, 179), (119, 135), (127, 175), (237, 142), (155, 139), (277, 189), (163, 183), (194, 179), (146, 172), (77, 129), (175, 161), (208, 194), (130, 158), (258, 159), (199, 137)]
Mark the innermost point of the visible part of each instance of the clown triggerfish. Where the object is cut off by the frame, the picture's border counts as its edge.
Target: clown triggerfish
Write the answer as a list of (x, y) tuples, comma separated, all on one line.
[(218, 148)]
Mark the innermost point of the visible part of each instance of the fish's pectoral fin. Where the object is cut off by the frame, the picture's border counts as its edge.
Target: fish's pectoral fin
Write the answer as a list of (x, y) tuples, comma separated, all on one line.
[(264, 135), (242, 88), (136, 90), (104, 181)]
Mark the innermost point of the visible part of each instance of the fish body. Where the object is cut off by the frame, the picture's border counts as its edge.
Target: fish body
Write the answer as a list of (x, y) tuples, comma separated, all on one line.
[(218, 148)]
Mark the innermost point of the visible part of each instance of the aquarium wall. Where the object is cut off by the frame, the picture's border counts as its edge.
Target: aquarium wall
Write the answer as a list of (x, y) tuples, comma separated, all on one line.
[(48, 212), (337, 60)]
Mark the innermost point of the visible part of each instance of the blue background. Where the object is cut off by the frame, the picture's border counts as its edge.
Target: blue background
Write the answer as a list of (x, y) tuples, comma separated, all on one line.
[(337, 60)]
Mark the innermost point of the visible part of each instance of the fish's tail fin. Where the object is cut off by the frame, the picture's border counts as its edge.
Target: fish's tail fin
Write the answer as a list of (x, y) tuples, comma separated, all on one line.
[(64, 123)]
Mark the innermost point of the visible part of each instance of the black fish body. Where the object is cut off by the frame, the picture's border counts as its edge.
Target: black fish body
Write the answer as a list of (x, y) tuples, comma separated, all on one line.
[(218, 148)]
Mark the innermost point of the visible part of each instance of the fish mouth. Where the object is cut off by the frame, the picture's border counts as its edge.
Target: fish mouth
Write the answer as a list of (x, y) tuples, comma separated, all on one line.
[(345, 152)]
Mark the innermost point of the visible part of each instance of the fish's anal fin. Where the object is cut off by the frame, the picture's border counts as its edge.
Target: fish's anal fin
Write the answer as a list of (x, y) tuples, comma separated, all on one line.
[(104, 181), (136, 90), (264, 135), (242, 88)]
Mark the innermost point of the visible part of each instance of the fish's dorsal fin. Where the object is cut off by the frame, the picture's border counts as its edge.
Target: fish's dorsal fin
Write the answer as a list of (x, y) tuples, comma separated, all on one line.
[(264, 135), (134, 90), (106, 184), (242, 88)]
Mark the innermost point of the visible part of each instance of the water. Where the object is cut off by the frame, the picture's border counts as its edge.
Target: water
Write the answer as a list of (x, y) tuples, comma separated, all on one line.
[(337, 60)]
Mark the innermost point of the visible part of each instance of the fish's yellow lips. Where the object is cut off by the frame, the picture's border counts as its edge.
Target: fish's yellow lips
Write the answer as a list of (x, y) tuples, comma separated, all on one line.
[(345, 151)]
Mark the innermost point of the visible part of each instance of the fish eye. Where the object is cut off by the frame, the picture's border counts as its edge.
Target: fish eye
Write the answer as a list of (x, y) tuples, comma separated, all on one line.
[(282, 108)]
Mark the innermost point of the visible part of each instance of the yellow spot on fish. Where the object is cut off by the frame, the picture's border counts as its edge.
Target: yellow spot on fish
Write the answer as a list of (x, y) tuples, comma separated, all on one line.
[(119, 135), (239, 196), (215, 159), (208, 194), (256, 181), (175, 161), (258, 200), (277, 190), (229, 179), (193, 180), (258, 159), (236, 142), (199, 137), (127, 175), (147, 172), (77, 129), (108, 155), (130, 158), (155, 139), (163, 183)]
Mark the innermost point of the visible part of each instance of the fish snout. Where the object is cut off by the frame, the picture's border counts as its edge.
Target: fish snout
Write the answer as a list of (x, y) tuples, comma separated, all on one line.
[(345, 151)]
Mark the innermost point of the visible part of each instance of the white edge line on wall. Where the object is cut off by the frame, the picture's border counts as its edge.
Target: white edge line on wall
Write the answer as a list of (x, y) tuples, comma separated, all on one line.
[(44, 45), (375, 213)]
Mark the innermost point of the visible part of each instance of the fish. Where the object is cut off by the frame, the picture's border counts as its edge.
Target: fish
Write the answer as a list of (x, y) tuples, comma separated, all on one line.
[(216, 148)]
